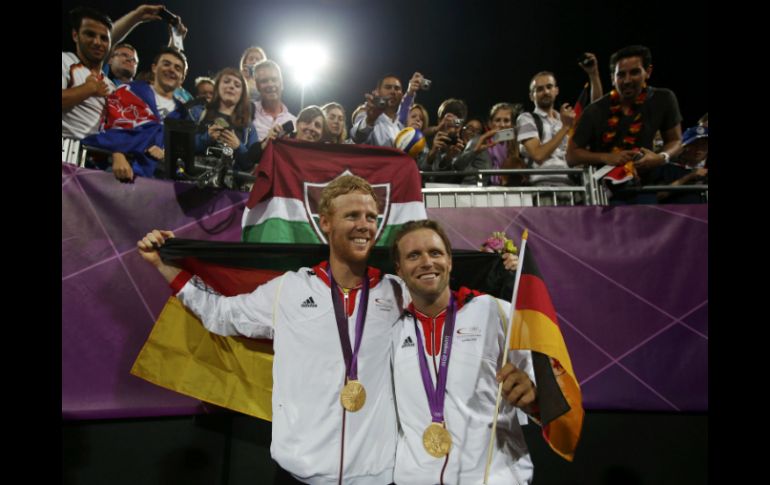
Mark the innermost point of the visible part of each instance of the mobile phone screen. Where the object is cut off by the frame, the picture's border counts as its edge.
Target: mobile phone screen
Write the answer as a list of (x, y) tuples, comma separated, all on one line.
[(176, 39), (504, 135)]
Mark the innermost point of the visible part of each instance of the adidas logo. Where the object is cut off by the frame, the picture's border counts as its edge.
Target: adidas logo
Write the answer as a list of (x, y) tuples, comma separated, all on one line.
[(407, 343), (309, 303)]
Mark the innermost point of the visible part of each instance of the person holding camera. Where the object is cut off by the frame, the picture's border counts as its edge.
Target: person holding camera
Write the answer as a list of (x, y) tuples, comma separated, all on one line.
[(269, 110), (311, 126), (406, 114), (124, 59), (492, 149), (378, 123), (447, 143), (250, 58), (544, 139), (543, 132), (227, 119), (86, 77)]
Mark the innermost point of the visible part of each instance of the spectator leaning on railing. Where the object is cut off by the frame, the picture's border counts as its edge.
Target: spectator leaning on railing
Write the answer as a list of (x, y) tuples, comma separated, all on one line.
[(620, 127)]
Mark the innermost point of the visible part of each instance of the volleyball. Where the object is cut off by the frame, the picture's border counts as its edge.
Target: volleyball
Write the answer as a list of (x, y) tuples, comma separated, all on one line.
[(411, 141)]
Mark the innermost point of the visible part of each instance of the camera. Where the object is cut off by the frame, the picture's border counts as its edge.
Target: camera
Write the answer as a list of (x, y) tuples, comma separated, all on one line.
[(457, 123), (214, 176), (168, 16), (380, 102), (425, 84), (288, 127), (586, 61), (452, 139)]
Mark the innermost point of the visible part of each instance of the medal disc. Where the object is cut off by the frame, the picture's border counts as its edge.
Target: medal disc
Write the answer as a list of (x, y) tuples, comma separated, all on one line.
[(353, 396), (436, 440)]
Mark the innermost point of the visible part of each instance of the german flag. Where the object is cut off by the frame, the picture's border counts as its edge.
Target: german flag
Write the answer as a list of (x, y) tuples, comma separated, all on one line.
[(536, 328), (236, 372), (583, 100)]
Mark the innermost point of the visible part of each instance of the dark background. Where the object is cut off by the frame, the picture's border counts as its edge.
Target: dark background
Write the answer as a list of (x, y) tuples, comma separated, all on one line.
[(232, 449), (481, 51)]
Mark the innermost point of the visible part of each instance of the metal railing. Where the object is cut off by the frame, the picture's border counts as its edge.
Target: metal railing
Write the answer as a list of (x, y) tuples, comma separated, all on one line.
[(479, 195), (72, 152), (588, 192)]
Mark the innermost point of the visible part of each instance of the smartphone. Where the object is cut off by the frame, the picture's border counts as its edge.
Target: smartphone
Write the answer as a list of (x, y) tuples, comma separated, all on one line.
[(503, 135), (222, 123), (168, 16), (380, 101), (176, 39), (288, 127)]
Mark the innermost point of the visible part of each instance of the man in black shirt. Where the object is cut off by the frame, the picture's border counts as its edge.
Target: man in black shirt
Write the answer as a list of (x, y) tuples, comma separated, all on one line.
[(620, 127)]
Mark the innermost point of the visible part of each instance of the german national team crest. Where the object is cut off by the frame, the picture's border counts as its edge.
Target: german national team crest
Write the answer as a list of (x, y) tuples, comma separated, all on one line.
[(312, 194)]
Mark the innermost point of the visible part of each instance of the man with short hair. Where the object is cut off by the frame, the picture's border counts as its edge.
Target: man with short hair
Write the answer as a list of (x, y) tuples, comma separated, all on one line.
[(84, 83), (123, 64), (546, 150), (543, 133), (334, 419), (620, 127), (379, 124), (135, 114), (84, 87), (269, 111), (447, 348)]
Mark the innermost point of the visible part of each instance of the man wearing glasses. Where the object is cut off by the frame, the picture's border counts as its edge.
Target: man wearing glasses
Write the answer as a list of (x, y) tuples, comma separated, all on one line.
[(123, 63)]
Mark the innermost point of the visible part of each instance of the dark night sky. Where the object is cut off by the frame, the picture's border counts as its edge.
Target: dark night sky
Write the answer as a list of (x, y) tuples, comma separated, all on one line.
[(483, 52)]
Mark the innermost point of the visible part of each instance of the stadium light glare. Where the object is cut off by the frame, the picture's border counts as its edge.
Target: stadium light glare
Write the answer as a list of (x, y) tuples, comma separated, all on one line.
[(305, 61)]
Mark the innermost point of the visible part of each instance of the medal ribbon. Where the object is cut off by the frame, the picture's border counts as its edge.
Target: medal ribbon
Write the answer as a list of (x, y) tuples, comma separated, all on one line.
[(436, 395), (340, 313)]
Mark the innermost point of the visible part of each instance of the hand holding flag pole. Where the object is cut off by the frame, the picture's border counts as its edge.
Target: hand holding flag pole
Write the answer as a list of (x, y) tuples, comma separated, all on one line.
[(505, 355)]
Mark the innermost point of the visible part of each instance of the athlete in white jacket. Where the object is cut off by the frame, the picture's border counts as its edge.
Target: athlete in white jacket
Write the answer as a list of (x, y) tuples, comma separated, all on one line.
[(447, 349), (315, 439)]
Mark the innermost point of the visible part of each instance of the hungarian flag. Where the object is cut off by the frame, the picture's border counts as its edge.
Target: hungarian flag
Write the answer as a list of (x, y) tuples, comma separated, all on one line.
[(283, 204), (236, 372), (536, 328)]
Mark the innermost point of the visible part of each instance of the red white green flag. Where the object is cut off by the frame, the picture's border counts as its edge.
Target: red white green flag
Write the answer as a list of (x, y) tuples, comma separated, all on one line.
[(283, 204)]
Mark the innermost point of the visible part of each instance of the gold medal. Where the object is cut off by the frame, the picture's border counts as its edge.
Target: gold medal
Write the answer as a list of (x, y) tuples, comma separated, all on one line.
[(437, 440), (353, 396)]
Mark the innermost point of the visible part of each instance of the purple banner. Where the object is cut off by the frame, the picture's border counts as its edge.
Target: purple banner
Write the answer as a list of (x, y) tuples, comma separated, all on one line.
[(629, 285)]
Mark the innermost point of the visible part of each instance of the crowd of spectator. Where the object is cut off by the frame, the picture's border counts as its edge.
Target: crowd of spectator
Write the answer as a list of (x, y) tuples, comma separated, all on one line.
[(112, 106)]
